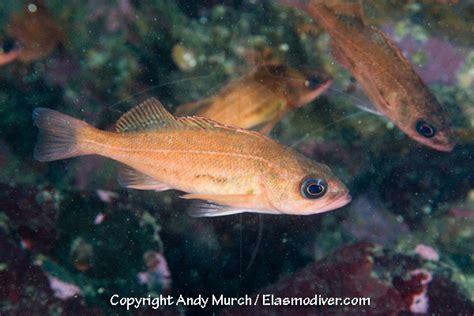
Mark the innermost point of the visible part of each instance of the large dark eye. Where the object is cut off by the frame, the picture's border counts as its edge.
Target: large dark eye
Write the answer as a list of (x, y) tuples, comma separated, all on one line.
[(425, 129), (312, 82), (8, 44), (313, 188)]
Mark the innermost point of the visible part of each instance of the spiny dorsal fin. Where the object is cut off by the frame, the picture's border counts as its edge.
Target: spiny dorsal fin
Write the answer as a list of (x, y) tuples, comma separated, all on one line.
[(150, 114), (197, 122)]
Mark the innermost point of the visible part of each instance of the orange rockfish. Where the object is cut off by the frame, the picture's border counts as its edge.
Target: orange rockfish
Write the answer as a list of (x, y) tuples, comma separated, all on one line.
[(384, 73), (260, 99), (234, 170), (31, 36)]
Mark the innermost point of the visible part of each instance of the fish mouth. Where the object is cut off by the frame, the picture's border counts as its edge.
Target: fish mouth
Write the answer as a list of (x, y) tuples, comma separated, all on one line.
[(340, 201), (443, 147), (315, 93), (444, 142), (6, 58)]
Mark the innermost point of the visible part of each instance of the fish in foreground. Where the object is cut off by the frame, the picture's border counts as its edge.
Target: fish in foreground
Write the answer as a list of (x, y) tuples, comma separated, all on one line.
[(260, 99), (384, 73), (233, 170), (32, 35)]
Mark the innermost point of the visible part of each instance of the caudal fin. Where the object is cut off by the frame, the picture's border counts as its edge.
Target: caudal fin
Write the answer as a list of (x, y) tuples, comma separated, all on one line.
[(57, 138)]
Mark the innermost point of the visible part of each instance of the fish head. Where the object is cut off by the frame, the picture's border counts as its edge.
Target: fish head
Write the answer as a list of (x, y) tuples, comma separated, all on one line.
[(312, 189), (429, 125), (309, 87), (302, 87), (298, 87)]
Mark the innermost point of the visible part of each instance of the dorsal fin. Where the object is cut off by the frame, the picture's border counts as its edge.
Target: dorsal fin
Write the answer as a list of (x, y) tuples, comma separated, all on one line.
[(148, 115), (197, 122), (151, 115), (395, 49)]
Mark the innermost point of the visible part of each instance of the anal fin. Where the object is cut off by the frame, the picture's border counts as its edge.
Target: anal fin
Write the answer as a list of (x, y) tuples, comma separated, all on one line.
[(134, 179)]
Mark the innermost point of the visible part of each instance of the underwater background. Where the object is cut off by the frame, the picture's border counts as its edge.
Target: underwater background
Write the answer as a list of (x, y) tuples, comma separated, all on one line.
[(70, 236)]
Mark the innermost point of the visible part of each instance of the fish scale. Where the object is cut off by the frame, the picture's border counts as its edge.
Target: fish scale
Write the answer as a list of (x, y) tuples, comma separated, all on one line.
[(260, 99), (385, 74), (233, 169)]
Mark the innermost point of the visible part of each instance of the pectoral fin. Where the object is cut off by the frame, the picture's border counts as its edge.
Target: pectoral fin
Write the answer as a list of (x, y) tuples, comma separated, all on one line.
[(220, 205), (205, 209), (362, 99), (209, 209), (364, 103), (134, 179), (227, 199)]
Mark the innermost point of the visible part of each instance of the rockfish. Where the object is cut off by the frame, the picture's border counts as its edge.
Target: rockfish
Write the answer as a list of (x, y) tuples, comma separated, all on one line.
[(260, 99), (232, 169), (384, 73)]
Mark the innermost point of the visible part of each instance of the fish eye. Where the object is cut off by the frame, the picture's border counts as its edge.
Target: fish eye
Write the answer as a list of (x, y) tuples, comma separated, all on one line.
[(312, 188), (425, 129), (8, 44), (312, 82)]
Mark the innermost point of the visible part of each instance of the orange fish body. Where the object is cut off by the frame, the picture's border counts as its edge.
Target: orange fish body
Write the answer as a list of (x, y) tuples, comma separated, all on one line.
[(35, 32), (260, 99), (235, 170), (383, 72)]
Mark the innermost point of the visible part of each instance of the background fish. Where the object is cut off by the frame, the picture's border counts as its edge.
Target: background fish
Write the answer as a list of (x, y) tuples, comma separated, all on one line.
[(32, 35), (234, 170), (260, 99), (381, 69)]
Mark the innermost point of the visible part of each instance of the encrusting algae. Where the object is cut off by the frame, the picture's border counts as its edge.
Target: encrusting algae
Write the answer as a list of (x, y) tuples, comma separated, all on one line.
[(71, 237)]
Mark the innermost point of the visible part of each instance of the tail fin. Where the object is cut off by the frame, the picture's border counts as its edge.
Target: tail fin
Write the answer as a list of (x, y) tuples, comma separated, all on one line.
[(57, 137)]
